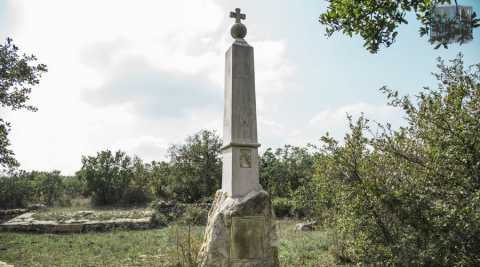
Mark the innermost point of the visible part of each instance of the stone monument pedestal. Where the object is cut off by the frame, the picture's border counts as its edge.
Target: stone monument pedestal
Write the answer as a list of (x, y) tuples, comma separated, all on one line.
[(240, 232), (241, 229)]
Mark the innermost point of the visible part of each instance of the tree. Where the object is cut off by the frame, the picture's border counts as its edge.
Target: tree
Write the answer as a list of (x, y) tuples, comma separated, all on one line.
[(377, 21), (49, 186), (411, 197), (162, 180), (285, 170), (18, 74), (287, 175), (196, 167), (107, 175)]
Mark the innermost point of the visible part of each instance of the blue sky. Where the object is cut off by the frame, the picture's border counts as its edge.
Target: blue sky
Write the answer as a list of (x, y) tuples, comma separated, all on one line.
[(140, 75)]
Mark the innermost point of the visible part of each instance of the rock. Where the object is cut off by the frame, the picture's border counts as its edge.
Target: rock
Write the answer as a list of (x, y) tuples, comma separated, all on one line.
[(75, 221), (26, 223), (240, 232), (6, 215), (37, 207), (65, 228), (307, 226), (83, 213), (3, 264), (169, 207)]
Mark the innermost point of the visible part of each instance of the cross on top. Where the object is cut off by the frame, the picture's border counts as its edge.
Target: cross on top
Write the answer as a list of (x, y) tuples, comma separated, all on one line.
[(237, 15)]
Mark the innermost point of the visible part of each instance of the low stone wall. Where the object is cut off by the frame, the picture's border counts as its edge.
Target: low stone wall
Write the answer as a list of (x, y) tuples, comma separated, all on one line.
[(26, 223), (6, 215)]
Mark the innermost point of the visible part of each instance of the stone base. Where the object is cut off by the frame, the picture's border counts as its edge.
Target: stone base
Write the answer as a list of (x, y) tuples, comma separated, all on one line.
[(240, 232)]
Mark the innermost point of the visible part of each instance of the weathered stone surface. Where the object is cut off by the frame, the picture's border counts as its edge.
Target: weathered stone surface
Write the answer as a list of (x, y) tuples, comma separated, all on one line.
[(26, 223), (3, 264), (240, 150), (240, 232), (83, 213), (306, 226)]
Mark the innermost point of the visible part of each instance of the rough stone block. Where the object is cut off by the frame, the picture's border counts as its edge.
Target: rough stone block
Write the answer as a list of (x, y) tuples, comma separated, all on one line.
[(240, 232)]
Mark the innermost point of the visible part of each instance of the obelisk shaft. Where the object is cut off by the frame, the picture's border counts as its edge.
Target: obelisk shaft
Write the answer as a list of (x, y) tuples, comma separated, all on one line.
[(240, 151)]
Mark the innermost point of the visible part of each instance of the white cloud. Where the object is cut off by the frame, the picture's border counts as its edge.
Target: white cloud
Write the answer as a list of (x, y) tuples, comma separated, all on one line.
[(334, 120), (88, 46)]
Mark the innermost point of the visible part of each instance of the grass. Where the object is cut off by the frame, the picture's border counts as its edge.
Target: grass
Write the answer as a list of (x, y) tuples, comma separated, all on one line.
[(304, 249), (120, 248), (156, 247)]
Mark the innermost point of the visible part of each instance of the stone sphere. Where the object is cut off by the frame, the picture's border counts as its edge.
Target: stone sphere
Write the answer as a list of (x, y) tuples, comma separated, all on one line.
[(238, 31)]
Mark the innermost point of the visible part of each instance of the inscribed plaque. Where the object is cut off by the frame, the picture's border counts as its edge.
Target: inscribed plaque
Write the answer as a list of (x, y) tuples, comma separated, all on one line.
[(247, 235), (245, 158)]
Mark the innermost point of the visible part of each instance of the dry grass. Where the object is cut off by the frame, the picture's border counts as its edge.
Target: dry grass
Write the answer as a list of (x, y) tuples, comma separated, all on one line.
[(171, 246)]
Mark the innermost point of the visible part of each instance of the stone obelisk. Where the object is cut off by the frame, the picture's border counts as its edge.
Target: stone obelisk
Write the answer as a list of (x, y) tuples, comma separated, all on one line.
[(241, 228)]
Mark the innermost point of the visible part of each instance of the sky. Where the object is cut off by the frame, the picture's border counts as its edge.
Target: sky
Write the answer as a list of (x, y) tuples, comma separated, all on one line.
[(142, 75)]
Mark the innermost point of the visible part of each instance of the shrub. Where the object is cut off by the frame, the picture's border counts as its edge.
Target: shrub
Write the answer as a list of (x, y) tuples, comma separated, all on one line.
[(304, 201), (411, 197), (22, 188), (287, 173), (49, 187), (15, 191), (195, 215), (282, 207), (195, 168), (165, 212), (74, 187), (136, 196), (107, 176)]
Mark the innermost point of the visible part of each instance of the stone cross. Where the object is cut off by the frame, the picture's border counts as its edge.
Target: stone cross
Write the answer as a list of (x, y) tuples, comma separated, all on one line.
[(237, 15), (240, 144)]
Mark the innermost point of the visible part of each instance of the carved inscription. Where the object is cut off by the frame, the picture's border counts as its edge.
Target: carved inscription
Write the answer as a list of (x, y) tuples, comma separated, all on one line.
[(245, 158), (247, 235)]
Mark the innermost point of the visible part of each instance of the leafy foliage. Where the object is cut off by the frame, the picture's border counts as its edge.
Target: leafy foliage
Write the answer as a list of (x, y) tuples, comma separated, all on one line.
[(287, 175), (49, 186), (196, 167), (107, 176), (18, 73), (282, 206), (410, 196), (377, 21), (23, 188)]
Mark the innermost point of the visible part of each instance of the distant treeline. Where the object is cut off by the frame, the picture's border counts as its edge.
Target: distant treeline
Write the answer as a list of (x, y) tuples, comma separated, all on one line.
[(192, 174)]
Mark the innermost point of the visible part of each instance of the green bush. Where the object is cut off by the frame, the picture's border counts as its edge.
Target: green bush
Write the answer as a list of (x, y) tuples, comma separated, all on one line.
[(107, 176), (410, 197), (195, 215), (15, 191), (282, 207), (304, 201), (23, 188), (195, 169), (166, 212), (48, 186), (74, 187), (136, 196), (286, 173)]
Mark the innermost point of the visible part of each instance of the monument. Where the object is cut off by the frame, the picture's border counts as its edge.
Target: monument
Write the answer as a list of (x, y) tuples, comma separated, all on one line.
[(241, 229)]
